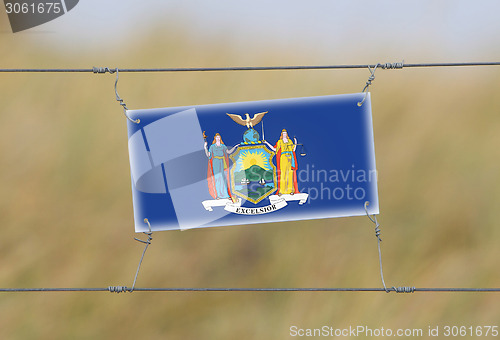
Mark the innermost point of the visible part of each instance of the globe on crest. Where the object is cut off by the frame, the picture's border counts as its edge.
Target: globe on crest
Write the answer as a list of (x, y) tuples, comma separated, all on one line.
[(251, 136)]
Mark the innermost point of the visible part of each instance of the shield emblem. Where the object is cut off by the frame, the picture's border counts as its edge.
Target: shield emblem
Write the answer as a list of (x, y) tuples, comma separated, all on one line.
[(253, 174)]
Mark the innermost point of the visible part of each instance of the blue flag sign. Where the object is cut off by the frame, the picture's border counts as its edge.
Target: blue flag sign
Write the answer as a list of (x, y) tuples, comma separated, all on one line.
[(252, 162)]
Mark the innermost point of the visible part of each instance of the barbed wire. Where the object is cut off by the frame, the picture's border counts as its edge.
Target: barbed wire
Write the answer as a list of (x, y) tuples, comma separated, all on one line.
[(398, 65), (120, 289)]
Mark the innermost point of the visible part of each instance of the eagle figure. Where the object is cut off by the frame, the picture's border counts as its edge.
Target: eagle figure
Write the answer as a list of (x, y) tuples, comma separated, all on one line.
[(248, 122)]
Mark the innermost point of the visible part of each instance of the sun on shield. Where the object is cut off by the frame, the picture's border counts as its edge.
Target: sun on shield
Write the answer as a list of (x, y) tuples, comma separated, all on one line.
[(253, 175)]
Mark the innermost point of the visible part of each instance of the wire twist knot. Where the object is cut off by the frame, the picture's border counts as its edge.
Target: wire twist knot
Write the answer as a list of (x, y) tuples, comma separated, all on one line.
[(368, 83), (103, 70), (147, 242), (371, 78), (374, 220), (403, 289), (120, 100), (118, 289), (392, 66)]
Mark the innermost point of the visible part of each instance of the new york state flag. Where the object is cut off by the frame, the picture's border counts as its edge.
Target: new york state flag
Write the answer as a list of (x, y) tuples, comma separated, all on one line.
[(252, 162)]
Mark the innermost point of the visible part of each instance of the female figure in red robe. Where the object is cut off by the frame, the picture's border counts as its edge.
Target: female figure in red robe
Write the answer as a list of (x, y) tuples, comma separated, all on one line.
[(218, 168)]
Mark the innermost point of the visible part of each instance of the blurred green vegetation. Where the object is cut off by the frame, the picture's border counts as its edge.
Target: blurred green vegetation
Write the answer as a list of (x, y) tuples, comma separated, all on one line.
[(66, 207)]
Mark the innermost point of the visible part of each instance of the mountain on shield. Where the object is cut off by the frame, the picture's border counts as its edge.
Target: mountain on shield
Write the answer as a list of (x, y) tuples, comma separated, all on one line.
[(259, 181)]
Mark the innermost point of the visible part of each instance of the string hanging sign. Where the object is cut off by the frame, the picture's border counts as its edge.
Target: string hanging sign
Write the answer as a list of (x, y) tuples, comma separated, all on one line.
[(252, 162)]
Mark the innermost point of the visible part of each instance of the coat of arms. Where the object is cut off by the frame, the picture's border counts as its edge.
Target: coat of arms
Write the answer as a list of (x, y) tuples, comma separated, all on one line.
[(252, 176)]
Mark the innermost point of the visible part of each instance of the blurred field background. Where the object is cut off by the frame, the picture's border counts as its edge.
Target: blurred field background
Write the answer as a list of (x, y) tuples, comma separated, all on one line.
[(66, 207)]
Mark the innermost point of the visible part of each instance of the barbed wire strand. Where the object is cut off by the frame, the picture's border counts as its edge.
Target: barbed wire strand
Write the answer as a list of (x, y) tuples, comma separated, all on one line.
[(249, 68), (173, 289)]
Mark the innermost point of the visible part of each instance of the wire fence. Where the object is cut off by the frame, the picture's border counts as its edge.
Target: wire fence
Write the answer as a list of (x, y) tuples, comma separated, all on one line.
[(397, 65), (371, 67), (123, 289)]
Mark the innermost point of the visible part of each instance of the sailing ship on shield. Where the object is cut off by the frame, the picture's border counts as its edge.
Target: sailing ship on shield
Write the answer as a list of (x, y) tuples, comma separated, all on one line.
[(252, 176)]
